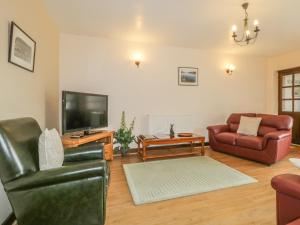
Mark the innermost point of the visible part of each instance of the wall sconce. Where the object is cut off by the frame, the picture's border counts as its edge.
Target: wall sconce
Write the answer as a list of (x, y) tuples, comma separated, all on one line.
[(230, 68), (137, 58)]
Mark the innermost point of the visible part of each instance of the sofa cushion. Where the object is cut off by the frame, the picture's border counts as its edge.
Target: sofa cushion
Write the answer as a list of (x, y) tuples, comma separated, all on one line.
[(250, 142), (263, 130), (295, 222), (236, 117), (227, 138), (233, 127), (234, 120), (280, 122)]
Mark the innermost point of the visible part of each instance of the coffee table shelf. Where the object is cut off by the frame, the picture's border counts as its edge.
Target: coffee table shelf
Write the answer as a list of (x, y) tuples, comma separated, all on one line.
[(143, 145)]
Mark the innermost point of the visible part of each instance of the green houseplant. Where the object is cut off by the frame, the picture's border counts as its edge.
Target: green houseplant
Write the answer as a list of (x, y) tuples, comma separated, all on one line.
[(124, 135)]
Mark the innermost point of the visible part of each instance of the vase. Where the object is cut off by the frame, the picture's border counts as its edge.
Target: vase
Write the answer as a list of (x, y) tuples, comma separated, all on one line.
[(172, 133)]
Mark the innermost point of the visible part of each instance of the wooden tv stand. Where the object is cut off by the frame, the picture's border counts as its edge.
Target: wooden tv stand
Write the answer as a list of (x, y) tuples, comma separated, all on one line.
[(105, 137)]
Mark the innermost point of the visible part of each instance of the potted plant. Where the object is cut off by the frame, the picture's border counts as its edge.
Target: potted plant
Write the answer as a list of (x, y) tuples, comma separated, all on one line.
[(124, 135)]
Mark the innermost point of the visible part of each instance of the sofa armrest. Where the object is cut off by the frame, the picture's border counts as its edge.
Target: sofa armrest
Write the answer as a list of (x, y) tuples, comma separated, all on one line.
[(59, 175), (83, 153), (288, 184), (276, 135), (218, 128)]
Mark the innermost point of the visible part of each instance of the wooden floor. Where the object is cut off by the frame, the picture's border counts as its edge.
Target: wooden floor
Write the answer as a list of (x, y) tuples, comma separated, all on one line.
[(252, 204)]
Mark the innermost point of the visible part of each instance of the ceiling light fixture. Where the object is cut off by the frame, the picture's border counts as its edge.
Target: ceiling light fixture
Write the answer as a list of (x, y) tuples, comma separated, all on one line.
[(246, 38)]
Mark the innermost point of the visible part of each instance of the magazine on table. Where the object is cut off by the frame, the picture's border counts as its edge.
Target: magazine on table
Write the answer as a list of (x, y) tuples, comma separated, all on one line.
[(162, 136), (149, 137)]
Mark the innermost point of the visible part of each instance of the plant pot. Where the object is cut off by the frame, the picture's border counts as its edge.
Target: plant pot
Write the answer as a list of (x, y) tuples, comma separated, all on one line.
[(124, 150)]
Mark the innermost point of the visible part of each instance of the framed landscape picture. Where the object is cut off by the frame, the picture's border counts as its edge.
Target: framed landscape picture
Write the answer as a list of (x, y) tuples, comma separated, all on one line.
[(187, 76), (21, 48)]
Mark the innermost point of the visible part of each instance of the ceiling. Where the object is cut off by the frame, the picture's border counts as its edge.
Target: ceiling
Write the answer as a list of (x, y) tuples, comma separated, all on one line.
[(202, 24)]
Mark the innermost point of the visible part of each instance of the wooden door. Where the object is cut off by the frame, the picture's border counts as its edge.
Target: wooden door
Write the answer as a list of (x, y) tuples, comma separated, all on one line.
[(289, 98)]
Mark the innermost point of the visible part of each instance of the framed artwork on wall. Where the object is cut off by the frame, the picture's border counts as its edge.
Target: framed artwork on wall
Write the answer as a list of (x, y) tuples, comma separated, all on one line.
[(21, 48), (187, 76)]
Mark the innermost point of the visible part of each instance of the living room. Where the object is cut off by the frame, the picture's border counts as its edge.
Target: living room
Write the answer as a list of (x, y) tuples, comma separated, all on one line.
[(137, 54)]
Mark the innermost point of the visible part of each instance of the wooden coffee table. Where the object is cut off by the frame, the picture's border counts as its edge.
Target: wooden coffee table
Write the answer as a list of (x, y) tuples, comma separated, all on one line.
[(143, 145)]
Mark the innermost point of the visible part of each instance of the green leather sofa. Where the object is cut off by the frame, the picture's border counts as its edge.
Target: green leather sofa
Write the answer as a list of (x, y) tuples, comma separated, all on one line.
[(74, 194)]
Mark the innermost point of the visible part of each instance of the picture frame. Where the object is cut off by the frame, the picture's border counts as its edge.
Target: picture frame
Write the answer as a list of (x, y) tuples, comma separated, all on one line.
[(22, 48), (187, 76)]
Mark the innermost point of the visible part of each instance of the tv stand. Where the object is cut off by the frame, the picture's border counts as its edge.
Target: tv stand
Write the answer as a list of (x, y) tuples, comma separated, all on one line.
[(105, 137)]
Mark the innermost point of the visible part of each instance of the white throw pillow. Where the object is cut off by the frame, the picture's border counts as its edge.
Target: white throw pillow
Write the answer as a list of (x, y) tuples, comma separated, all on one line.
[(51, 151), (249, 125), (295, 162)]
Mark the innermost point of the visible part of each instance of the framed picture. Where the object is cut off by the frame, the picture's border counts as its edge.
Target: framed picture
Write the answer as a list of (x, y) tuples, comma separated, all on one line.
[(187, 76), (21, 48)]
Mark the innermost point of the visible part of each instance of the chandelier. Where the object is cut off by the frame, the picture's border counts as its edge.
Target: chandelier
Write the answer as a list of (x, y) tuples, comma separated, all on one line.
[(247, 37)]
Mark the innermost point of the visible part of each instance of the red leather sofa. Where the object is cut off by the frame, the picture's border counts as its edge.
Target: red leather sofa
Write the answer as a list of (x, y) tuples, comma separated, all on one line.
[(270, 145), (287, 188)]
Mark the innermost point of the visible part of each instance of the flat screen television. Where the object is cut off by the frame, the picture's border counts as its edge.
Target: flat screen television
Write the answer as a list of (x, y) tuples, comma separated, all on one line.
[(83, 111)]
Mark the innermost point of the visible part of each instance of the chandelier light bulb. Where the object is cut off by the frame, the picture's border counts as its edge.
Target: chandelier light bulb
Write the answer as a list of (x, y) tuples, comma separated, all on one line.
[(256, 23), (234, 28), (247, 33)]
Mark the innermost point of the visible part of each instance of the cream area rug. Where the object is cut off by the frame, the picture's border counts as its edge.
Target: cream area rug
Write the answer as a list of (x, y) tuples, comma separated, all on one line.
[(166, 179)]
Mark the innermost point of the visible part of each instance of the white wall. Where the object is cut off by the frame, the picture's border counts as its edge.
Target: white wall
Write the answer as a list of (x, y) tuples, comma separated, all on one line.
[(103, 66), (23, 93), (275, 64)]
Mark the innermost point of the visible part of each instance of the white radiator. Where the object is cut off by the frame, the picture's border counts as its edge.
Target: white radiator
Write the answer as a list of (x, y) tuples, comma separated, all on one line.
[(160, 124)]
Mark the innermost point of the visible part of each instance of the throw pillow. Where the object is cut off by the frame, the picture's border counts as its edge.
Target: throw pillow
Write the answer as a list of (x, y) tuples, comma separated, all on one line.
[(249, 125), (51, 151)]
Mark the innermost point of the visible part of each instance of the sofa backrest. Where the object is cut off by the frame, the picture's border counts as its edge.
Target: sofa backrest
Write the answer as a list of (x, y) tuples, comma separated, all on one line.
[(269, 123), (233, 120), (18, 148)]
